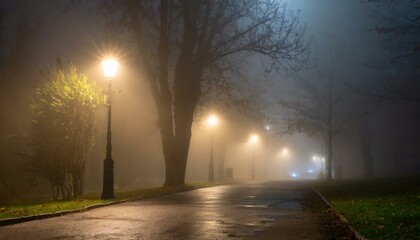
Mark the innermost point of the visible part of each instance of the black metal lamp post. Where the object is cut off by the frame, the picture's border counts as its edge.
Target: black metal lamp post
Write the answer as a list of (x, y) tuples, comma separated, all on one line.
[(253, 162), (212, 121), (110, 69)]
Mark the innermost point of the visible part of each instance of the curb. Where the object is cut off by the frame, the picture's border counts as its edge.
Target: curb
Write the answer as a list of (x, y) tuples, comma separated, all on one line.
[(342, 218), (11, 221)]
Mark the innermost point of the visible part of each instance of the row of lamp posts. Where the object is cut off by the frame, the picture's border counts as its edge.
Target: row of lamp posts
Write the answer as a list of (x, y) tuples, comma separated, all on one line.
[(212, 122), (110, 67)]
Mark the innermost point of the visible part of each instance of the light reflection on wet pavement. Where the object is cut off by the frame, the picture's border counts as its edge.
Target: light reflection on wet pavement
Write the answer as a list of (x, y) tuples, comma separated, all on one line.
[(239, 210)]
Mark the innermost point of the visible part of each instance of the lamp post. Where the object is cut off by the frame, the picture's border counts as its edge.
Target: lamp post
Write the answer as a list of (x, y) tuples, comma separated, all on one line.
[(321, 160), (212, 121), (110, 70), (267, 148), (253, 138)]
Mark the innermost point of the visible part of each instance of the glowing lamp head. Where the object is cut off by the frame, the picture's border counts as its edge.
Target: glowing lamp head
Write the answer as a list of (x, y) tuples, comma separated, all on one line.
[(110, 67), (253, 138), (285, 151), (212, 121)]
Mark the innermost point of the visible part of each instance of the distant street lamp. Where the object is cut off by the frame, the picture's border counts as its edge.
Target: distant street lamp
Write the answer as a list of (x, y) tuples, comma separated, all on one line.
[(109, 67), (285, 152), (253, 139), (321, 160), (212, 122)]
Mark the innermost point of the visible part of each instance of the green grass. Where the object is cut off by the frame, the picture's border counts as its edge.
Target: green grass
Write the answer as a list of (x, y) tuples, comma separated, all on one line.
[(378, 209), (11, 211), (22, 210)]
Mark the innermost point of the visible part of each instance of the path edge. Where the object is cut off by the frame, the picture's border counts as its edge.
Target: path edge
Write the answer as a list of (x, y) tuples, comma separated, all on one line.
[(16, 220), (342, 218)]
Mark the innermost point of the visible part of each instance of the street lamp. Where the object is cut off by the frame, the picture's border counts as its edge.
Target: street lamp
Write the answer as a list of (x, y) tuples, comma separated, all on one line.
[(212, 122), (109, 68), (285, 152), (321, 160), (253, 139)]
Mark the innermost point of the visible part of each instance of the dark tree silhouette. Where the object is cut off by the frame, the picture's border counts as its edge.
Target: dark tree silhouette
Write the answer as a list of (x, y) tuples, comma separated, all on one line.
[(16, 80), (183, 45), (321, 107), (398, 27)]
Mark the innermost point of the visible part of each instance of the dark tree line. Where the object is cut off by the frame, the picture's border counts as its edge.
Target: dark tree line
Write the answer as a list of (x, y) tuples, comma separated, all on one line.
[(31, 157), (16, 41), (325, 105), (398, 28)]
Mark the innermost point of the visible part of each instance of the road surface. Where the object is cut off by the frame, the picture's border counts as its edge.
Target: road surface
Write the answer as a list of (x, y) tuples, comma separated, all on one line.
[(248, 210)]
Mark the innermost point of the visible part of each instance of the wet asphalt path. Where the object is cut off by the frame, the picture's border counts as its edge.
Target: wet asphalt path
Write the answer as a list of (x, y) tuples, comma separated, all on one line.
[(259, 210)]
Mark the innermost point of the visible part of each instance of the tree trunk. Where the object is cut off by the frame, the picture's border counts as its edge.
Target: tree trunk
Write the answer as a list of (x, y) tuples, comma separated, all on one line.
[(398, 154), (186, 93), (329, 156), (222, 161), (330, 133), (366, 147), (176, 158), (177, 150), (54, 194), (77, 184)]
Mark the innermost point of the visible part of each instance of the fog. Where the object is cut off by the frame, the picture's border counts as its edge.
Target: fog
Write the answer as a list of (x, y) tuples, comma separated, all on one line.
[(344, 47)]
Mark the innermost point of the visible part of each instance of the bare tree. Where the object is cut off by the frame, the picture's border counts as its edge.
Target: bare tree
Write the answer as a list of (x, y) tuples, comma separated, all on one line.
[(321, 108), (181, 45), (398, 27)]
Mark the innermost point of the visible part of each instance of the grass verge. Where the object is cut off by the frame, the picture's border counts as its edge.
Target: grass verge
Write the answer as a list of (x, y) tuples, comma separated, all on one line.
[(378, 209), (23, 210), (12, 211)]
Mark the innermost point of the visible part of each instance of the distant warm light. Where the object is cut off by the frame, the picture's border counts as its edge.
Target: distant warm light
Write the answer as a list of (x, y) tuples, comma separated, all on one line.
[(285, 151), (267, 127), (212, 121), (253, 138), (110, 67)]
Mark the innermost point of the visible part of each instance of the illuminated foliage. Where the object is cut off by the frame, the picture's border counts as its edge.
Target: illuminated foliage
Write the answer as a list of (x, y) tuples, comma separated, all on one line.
[(63, 129)]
